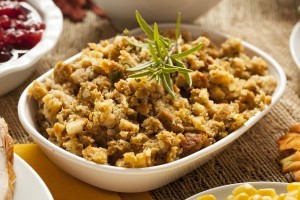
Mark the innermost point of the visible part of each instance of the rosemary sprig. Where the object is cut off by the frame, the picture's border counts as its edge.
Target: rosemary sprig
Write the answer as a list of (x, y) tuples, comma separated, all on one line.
[(166, 56)]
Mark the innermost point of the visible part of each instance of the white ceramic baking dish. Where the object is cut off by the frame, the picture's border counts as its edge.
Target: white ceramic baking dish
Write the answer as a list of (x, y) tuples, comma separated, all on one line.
[(142, 179)]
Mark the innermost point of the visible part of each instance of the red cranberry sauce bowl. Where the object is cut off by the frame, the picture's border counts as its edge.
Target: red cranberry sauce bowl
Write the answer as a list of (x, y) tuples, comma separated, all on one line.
[(21, 28)]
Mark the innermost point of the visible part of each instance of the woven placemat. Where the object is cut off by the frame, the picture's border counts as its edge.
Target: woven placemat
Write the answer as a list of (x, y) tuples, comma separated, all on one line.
[(254, 156)]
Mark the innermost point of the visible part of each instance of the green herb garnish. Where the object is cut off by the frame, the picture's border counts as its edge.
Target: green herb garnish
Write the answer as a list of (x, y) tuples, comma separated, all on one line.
[(166, 56)]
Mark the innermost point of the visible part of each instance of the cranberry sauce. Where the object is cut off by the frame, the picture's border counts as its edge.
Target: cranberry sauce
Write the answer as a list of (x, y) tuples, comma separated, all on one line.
[(21, 28)]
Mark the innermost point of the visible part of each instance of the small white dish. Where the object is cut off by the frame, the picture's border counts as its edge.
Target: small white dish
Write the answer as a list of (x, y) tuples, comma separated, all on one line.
[(14, 72), (295, 44), (223, 191), (122, 12), (29, 184), (142, 179)]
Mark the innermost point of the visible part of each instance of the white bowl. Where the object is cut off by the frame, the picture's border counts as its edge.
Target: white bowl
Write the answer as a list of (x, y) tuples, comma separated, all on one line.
[(122, 12), (14, 72), (224, 191), (295, 44), (142, 179)]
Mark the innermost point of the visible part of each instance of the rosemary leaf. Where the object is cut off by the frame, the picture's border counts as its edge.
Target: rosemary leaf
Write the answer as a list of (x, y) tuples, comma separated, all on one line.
[(164, 60), (166, 85), (141, 66), (158, 72), (143, 24), (178, 45), (136, 44), (163, 49), (188, 52), (166, 41), (188, 79), (149, 31), (157, 78), (156, 40), (170, 61), (179, 63), (184, 70), (177, 33), (150, 78), (169, 81), (141, 74), (178, 69), (152, 52), (169, 70), (156, 33), (170, 66)]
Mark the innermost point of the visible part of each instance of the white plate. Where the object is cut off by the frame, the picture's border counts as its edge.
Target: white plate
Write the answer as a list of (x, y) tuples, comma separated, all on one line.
[(295, 44), (223, 191), (142, 179), (29, 184)]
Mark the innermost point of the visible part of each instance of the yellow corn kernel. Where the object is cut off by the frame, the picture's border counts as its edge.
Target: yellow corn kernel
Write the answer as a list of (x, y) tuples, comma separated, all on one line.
[(293, 186), (267, 192), (267, 198), (290, 198), (293, 193), (255, 197), (230, 197), (241, 196), (280, 197), (248, 192), (245, 188), (207, 197)]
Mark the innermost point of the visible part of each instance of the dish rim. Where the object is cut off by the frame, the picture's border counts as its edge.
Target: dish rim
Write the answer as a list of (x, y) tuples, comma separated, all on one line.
[(24, 164), (23, 102), (295, 31), (255, 184), (53, 19)]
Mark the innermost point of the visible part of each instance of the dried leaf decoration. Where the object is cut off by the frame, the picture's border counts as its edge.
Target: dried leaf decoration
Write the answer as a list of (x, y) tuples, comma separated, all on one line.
[(289, 145), (289, 141), (76, 9)]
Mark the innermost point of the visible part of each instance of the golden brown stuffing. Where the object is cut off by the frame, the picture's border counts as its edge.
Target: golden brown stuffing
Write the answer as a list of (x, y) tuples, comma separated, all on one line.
[(91, 108)]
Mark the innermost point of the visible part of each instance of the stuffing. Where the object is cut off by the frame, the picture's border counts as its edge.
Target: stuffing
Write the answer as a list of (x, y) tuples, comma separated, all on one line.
[(91, 108)]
